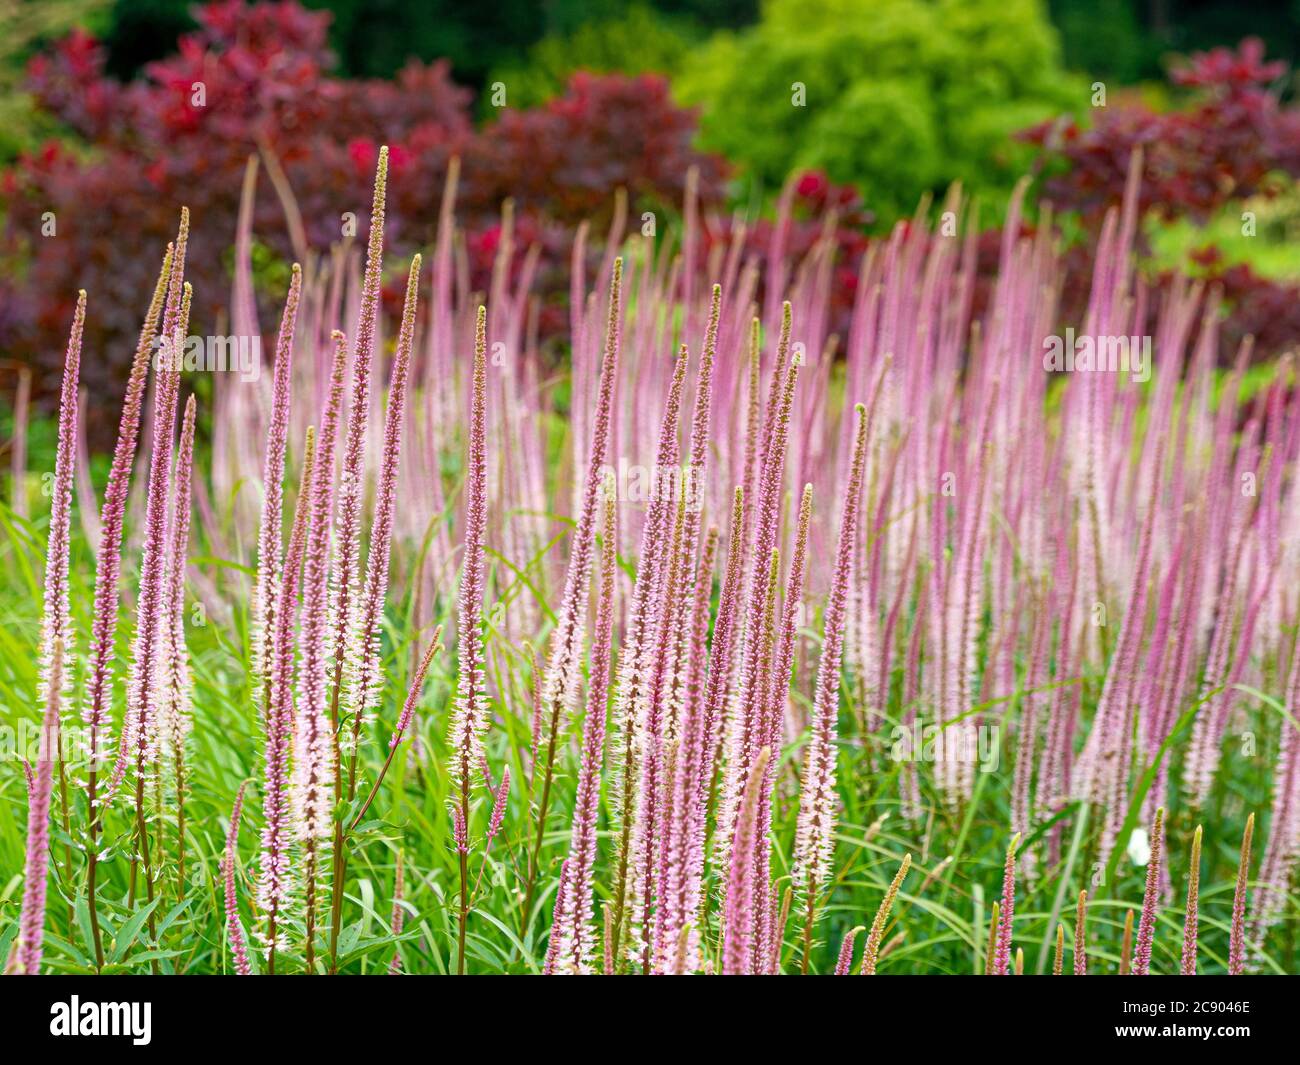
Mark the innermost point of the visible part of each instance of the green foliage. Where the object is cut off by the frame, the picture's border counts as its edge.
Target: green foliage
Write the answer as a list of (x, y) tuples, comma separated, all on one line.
[(25, 25), (901, 97), (1271, 245), (1104, 38), (637, 41)]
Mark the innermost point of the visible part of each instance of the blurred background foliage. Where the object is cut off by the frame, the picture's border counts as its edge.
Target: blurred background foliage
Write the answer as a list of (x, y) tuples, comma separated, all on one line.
[(1123, 39), (555, 104), (902, 96), (25, 27)]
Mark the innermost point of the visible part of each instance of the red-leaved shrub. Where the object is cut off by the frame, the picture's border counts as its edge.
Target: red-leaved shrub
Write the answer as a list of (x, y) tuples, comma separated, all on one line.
[(255, 80)]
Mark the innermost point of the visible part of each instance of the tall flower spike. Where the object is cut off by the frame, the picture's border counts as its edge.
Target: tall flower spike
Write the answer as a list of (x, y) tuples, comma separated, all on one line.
[(173, 720), (138, 732), (31, 921), (364, 646), (636, 662), (404, 722), (270, 550), (1058, 959), (498, 807), (654, 753), (273, 884), (1003, 958), (814, 839), (871, 953), (238, 948), (417, 686), (56, 624), (399, 915), (56, 628), (682, 856), (1237, 943), (738, 921), (725, 637), (347, 573), (685, 616), (1081, 936), (468, 720), (312, 795), (562, 669), (845, 960), (108, 557), (1150, 900), (753, 694), (470, 716), (574, 925), (175, 323), (1188, 967)]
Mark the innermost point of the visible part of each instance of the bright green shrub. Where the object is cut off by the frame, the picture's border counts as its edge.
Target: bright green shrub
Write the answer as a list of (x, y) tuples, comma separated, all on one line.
[(902, 96)]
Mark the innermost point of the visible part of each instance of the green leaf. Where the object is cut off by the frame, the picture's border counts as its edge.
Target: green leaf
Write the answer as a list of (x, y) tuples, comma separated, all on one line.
[(130, 929), (1144, 785)]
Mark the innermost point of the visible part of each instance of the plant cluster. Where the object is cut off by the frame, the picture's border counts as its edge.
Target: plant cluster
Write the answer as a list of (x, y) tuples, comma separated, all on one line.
[(850, 590)]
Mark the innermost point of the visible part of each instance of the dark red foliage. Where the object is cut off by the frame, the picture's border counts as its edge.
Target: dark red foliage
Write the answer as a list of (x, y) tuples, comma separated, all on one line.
[(1224, 146), (816, 208), (1265, 309), (255, 80), (1220, 148)]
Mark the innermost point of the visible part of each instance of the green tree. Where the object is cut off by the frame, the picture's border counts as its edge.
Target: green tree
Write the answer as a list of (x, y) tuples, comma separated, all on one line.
[(899, 97)]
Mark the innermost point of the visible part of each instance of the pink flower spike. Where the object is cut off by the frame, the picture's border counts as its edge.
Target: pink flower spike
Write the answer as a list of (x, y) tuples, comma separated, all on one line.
[(238, 947), (458, 831), (31, 920), (1007, 911), (347, 572), (814, 840), (270, 550), (173, 720), (1188, 967), (470, 716), (499, 807), (274, 877), (416, 689), (108, 556), (563, 668), (313, 794), (57, 624), (573, 932), (364, 646), (1150, 900), (739, 918), (844, 963), (139, 734), (399, 914)]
